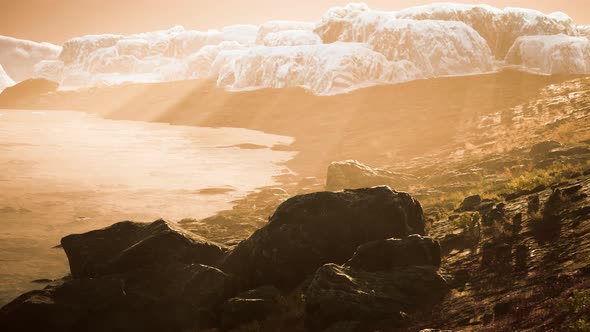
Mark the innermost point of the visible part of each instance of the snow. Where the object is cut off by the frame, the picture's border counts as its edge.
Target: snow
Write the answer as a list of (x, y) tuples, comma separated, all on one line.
[(278, 26), (556, 54), (499, 27), (323, 69), (291, 38), (350, 47), (18, 57), (584, 30), (436, 48), (166, 55), (5, 80)]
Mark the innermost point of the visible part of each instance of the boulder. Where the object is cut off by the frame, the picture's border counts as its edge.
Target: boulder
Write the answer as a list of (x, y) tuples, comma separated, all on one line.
[(128, 245), (373, 299), (543, 148), (470, 203), (385, 255), (351, 174), (179, 297), (253, 305), (310, 230)]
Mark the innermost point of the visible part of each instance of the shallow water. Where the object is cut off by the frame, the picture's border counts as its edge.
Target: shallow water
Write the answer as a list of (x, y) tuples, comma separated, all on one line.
[(68, 172)]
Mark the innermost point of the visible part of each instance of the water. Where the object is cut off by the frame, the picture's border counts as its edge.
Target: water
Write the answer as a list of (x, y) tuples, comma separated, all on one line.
[(69, 172)]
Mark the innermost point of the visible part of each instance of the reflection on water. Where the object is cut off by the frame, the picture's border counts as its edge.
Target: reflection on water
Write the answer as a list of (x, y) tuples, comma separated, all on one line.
[(65, 172)]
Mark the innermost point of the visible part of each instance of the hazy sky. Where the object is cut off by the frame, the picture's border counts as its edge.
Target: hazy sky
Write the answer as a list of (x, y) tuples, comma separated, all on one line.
[(58, 20)]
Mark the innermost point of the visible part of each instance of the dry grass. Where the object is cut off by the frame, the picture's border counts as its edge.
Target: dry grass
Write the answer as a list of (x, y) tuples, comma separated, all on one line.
[(556, 173)]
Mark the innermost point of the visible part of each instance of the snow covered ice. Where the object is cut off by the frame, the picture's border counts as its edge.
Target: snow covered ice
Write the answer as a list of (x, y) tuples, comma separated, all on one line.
[(5, 80), (349, 47), (18, 57), (556, 54)]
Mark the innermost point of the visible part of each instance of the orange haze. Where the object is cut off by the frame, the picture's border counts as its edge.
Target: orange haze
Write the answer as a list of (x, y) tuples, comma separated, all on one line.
[(56, 21)]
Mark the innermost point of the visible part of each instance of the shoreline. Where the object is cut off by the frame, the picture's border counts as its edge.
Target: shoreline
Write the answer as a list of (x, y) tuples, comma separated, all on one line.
[(48, 197), (380, 125)]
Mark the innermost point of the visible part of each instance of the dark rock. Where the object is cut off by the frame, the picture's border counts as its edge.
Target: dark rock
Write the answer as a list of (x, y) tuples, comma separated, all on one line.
[(42, 281), (570, 190), (496, 214), (340, 294), (470, 203), (503, 255), (502, 309), (582, 212), (174, 298), (496, 255), (310, 230), (128, 245), (253, 305), (351, 174), (487, 317), (455, 241), (460, 278), (554, 201), (521, 193), (578, 197), (487, 254), (345, 326), (385, 255), (533, 204), (543, 148), (565, 152), (485, 206), (548, 227), (521, 256)]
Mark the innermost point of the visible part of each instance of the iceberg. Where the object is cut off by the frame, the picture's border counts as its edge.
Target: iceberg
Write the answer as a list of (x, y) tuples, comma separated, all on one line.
[(557, 54), (5, 80), (584, 30), (322, 69), (499, 27), (437, 48), (291, 38), (278, 26), (350, 47), (18, 57)]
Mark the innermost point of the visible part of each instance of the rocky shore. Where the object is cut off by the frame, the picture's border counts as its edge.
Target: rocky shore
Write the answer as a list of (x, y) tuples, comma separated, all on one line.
[(483, 228), (157, 277)]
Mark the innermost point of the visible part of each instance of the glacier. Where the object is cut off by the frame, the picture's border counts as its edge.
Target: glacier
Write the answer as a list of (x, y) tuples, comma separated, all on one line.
[(323, 69), (349, 47), (584, 30), (499, 27), (555, 54), (5, 80), (18, 57)]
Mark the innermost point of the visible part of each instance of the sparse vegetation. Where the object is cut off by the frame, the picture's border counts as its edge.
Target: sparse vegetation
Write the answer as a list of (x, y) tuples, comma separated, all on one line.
[(578, 305), (470, 223), (556, 173)]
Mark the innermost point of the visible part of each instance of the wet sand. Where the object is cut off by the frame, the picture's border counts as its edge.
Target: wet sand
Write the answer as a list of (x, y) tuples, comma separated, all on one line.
[(69, 172)]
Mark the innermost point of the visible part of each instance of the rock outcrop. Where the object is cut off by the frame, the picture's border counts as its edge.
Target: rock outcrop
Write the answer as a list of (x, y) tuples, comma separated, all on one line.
[(178, 297), (351, 174), (310, 230), (128, 245), (253, 305), (152, 277), (385, 255), (371, 295)]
